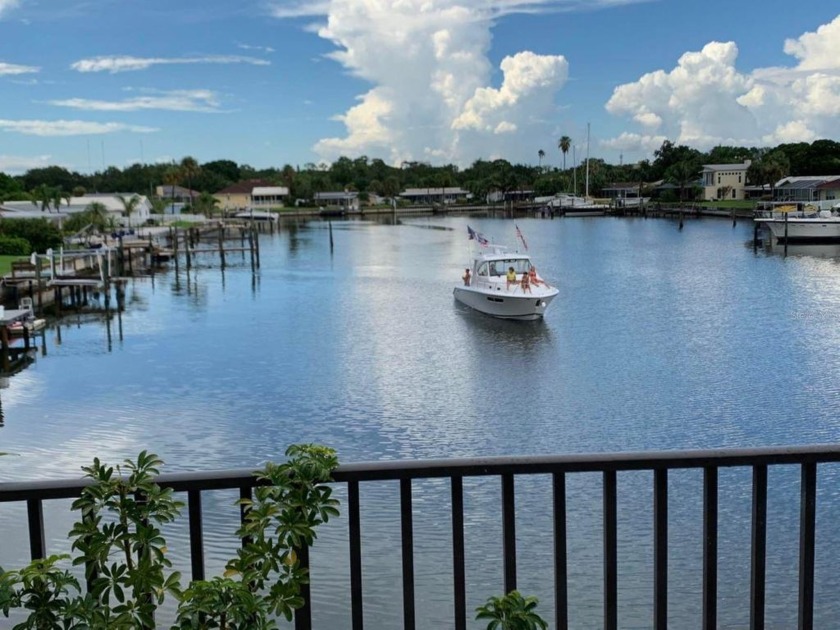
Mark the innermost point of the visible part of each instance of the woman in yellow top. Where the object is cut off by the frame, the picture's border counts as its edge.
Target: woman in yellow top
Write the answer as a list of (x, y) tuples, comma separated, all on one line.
[(511, 277)]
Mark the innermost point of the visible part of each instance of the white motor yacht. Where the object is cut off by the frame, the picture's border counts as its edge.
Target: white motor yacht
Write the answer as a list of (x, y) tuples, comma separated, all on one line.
[(487, 288)]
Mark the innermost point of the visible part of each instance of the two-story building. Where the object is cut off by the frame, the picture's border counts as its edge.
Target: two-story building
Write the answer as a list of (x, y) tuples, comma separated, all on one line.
[(724, 181), (255, 194)]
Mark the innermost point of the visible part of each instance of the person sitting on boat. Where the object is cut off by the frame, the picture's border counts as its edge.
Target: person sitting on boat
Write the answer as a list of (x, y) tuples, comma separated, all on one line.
[(526, 283), (534, 279), (467, 277), (511, 277)]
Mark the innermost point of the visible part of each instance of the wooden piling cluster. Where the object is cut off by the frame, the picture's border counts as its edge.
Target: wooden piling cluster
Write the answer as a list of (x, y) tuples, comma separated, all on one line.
[(193, 241)]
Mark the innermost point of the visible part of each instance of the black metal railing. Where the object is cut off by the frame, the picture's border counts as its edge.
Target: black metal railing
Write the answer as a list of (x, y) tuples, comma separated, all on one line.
[(508, 468)]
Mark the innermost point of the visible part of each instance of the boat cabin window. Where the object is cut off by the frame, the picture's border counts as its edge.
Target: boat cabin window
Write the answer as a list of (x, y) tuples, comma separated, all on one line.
[(498, 268)]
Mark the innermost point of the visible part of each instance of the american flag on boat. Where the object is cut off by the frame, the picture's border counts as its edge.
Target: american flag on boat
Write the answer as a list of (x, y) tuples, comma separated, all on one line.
[(477, 236)]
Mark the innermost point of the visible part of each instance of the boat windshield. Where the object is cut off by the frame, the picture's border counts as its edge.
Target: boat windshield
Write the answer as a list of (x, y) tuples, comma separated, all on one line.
[(500, 267)]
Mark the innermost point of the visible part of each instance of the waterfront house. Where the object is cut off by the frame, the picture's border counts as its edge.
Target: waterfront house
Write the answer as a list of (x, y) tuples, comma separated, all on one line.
[(434, 195), (622, 190), (346, 200), (499, 196), (724, 181), (252, 194), (177, 196), (113, 205), (822, 190)]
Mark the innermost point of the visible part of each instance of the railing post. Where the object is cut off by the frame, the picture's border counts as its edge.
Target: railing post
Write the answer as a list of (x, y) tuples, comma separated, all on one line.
[(35, 512), (406, 520), (710, 546), (807, 526), (196, 534), (759, 547), (458, 554), (610, 552), (303, 615), (355, 555), (509, 531), (660, 547), (561, 579)]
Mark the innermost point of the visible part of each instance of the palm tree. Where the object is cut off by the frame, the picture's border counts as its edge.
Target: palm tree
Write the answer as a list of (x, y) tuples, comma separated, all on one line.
[(97, 215), (158, 205), (564, 144), (541, 155), (683, 174), (42, 197), (170, 179), (129, 205), (58, 196), (190, 170), (206, 204)]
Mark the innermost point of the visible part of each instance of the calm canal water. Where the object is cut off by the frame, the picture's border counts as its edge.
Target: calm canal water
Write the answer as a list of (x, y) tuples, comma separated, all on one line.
[(659, 339)]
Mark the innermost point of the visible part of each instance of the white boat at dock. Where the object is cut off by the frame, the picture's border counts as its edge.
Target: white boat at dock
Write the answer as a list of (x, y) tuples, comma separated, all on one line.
[(572, 205), (789, 224), (488, 290)]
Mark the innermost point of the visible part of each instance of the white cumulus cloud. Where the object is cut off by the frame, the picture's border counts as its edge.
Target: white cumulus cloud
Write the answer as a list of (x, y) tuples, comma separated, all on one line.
[(116, 64), (13, 164), (705, 100), (68, 127), (13, 69), (433, 93), (176, 101), (8, 5)]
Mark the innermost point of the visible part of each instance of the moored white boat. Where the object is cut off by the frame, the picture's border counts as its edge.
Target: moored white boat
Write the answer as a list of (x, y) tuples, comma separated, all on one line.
[(490, 292), (789, 225)]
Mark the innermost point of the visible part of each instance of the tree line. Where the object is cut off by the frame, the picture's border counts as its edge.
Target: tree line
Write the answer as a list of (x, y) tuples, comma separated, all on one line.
[(679, 165)]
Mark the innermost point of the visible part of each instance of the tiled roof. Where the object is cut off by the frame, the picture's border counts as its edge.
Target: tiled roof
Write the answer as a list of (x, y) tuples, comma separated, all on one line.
[(245, 187)]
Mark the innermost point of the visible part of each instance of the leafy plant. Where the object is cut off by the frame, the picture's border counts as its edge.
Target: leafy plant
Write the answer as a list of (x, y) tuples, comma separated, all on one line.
[(43, 589), (222, 603), (120, 543), (279, 521), (511, 612)]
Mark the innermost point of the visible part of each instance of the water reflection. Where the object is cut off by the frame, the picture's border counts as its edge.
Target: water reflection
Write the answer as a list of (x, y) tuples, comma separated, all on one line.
[(503, 335), (826, 250)]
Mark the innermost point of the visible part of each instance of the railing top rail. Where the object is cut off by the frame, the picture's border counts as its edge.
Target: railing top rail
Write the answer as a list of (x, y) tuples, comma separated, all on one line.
[(465, 467)]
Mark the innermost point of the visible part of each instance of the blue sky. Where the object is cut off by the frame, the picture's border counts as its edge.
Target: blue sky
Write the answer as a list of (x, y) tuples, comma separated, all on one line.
[(111, 82)]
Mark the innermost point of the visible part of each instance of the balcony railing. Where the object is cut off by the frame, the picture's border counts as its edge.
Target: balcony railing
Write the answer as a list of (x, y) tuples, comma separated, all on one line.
[(508, 469)]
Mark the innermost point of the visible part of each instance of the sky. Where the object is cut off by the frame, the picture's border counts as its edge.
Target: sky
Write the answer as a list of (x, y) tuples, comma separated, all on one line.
[(87, 84)]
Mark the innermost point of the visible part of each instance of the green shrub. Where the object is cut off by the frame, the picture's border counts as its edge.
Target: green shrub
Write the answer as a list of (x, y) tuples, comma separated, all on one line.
[(118, 540), (511, 612), (41, 234), (14, 246)]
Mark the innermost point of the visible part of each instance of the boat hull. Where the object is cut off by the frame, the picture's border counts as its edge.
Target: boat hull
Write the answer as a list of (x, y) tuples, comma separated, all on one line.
[(804, 230), (506, 305)]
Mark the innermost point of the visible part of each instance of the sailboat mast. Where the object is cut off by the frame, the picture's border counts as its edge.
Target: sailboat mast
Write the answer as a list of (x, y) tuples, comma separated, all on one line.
[(587, 160)]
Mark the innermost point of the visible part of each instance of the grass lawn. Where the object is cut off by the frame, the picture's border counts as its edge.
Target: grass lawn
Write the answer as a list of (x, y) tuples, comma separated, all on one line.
[(6, 263)]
